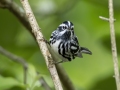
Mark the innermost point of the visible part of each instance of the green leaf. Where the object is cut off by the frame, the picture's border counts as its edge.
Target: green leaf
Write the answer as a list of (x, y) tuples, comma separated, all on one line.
[(32, 78), (8, 82)]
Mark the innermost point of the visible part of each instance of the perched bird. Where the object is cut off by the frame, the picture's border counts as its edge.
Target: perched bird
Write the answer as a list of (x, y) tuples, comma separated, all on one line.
[(65, 43)]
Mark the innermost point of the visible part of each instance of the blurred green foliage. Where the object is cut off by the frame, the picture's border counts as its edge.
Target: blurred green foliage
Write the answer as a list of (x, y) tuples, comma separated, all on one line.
[(89, 73)]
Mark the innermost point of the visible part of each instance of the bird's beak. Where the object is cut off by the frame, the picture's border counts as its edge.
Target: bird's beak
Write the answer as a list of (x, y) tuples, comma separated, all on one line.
[(69, 28)]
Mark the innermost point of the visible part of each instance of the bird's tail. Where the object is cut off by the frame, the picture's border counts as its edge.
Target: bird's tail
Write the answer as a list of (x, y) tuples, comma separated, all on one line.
[(83, 50)]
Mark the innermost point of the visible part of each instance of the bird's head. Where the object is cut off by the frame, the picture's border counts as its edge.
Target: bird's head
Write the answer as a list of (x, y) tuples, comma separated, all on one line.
[(66, 26), (66, 30)]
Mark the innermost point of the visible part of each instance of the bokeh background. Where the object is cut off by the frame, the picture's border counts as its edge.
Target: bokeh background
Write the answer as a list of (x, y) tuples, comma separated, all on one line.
[(93, 72)]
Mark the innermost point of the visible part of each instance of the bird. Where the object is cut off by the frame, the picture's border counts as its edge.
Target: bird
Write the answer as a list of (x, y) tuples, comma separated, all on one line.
[(64, 43)]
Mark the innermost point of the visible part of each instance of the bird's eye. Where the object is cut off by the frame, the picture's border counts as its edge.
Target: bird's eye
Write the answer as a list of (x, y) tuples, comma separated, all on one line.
[(64, 27), (71, 28)]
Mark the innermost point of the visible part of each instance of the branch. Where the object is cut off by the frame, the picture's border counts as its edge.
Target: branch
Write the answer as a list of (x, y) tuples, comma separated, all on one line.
[(42, 45), (19, 13), (25, 66), (113, 43), (63, 75), (16, 59), (64, 78)]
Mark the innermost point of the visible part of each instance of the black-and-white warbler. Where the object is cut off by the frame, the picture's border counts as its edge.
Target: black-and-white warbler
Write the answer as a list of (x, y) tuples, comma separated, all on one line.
[(65, 44)]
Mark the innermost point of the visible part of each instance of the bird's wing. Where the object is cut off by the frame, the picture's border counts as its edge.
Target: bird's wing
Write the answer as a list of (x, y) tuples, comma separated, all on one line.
[(75, 47)]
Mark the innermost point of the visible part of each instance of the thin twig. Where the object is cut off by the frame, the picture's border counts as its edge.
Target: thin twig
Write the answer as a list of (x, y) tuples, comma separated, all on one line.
[(43, 83), (42, 45), (113, 43), (16, 59), (105, 19)]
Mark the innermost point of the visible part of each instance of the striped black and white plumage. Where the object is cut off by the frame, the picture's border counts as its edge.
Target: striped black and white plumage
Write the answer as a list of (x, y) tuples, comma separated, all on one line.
[(65, 44)]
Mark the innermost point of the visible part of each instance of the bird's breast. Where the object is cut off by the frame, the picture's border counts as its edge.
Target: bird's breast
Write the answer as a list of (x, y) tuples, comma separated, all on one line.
[(55, 45)]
